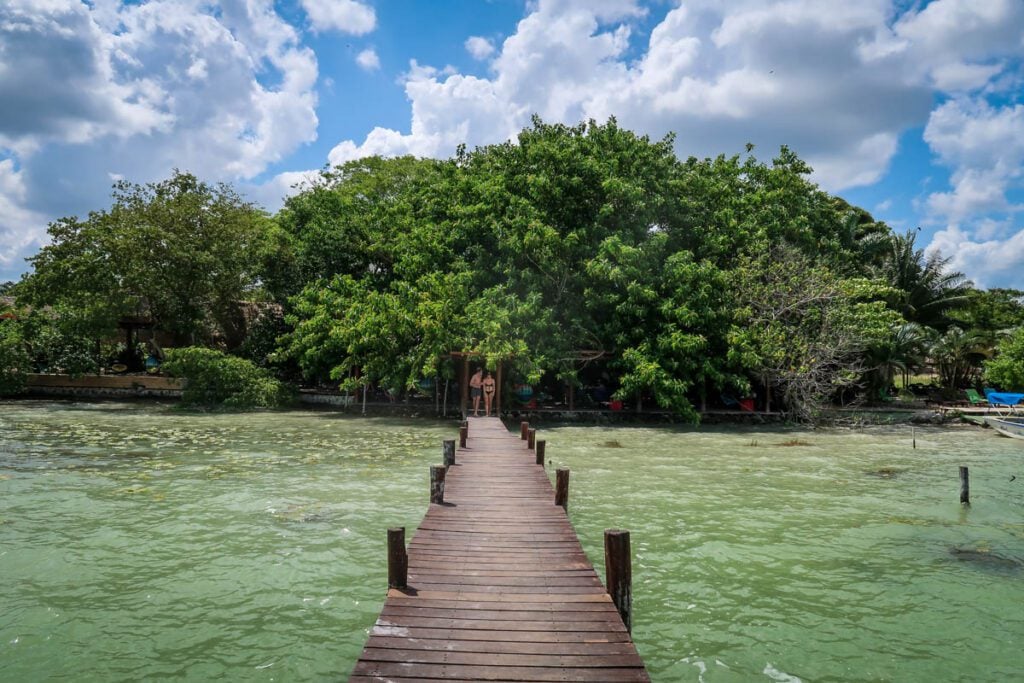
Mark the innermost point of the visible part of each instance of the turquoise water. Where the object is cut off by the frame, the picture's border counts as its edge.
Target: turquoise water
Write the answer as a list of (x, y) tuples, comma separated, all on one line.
[(140, 543)]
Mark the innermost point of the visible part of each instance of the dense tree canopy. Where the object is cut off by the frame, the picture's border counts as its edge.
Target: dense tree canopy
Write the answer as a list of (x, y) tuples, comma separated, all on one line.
[(689, 278), (179, 251)]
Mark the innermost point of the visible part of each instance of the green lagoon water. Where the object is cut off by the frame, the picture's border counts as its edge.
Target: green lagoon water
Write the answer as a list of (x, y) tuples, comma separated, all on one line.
[(139, 543)]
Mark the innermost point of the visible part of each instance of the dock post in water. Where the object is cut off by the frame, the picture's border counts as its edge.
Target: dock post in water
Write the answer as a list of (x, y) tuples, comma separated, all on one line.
[(437, 473), (618, 568), (562, 488), (541, 444), (463, 435), (398, 560), (524, 428), (965, 486), (449, 452), (531, 439)]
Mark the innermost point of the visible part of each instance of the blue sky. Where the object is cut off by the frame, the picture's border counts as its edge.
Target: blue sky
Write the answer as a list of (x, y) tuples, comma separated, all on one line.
[(910, 109)]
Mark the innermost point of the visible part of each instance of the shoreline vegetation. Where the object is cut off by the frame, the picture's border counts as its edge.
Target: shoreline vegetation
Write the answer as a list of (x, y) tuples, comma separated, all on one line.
[(585, 266)]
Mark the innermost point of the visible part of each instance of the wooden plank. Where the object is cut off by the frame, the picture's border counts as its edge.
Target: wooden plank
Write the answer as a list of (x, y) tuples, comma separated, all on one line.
[(499, 588)]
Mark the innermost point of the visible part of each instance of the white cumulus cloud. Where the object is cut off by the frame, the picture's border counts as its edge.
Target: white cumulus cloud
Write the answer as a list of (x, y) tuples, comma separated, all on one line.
[(346, 16), (135, 90), (368, 60), (479, 47)]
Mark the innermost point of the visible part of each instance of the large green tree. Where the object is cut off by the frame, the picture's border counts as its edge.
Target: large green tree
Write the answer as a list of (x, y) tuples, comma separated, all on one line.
[(179, 251)]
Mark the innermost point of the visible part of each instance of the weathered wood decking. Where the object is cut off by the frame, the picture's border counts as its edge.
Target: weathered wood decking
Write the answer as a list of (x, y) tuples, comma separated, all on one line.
[(499, 588)]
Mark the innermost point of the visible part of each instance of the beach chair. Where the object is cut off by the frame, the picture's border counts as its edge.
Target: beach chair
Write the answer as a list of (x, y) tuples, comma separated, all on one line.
[(974, 398)]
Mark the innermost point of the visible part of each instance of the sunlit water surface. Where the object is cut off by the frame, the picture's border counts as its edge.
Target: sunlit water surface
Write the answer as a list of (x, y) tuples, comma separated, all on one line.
[(137, 543)]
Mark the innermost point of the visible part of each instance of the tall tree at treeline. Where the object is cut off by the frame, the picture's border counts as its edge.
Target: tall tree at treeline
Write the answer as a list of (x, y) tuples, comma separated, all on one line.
[(568, 239), (179, 252)]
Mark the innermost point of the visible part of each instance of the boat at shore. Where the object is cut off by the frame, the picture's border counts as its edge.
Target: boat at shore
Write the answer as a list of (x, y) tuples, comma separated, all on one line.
[(1013, 428)]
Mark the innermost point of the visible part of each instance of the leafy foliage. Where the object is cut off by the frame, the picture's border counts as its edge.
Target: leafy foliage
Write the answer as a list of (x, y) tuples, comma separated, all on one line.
[(804, 329), (214, 379), (178, 251), (15, 363), (1006, 370)]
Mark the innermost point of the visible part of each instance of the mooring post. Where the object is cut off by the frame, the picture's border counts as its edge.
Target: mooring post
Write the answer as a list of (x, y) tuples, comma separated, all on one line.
[(437, 473), (463, 435), (618, 568), (449, 452), (562, 488), (531, 439), (541, 443), (965, 486), (524, 427), (398, 560), (913, 436)]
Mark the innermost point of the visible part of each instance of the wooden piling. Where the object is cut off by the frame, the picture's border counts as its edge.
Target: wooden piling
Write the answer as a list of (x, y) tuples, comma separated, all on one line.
[(524, 427), (398, 560), (562, 488), (531, 439), (449, 452), (618, 568), (437, 473), (965, 486), (540, 451), (463, 435)]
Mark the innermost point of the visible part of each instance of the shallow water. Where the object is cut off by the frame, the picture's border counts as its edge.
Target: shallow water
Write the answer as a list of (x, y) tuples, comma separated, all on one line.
[(137, 543)]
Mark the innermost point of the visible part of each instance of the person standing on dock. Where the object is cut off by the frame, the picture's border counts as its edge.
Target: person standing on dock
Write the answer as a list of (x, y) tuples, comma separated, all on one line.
[(476, 383), (488, 385)]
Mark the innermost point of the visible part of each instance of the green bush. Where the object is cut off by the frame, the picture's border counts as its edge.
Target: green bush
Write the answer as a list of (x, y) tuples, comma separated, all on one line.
[(14, 358), (216, 379), (1006, 370)]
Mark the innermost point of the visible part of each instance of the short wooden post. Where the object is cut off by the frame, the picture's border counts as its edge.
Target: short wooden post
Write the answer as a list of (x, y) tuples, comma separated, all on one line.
[(541, 443), (398, 560), (463, 436), (524, 427), (449, 452), (618, 568), (437, 473), (531, 439), (965, 486), (562, 488)]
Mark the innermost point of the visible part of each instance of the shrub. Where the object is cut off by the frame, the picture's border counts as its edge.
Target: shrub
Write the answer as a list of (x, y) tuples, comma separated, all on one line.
[(14, 359), (1006, 370), (216, 379)]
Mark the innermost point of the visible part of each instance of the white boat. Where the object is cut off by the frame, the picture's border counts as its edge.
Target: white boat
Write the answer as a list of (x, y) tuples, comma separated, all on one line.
[(1011, 428)]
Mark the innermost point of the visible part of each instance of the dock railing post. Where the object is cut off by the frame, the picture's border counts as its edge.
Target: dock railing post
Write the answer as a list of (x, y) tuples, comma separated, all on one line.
[(562, 488), (449, 452), (463, 435), (398, 560), (541, 444), (618, 568), (437, 473), (524, 427), (965, 486), (531, 439)]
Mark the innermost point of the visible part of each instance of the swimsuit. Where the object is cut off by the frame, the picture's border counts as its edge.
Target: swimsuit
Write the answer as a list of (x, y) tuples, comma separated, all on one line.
[(476, 391)]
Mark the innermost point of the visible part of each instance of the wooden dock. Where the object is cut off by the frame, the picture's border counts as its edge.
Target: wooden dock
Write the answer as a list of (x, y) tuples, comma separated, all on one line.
[(498, 586)]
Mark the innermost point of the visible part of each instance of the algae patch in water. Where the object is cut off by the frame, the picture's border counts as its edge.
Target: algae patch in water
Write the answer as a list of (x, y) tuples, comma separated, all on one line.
[(983, 556), (886, 472), (614, 443)]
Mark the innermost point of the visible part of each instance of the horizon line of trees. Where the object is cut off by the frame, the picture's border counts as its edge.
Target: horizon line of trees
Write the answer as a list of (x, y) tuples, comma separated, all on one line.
[(694, 277)]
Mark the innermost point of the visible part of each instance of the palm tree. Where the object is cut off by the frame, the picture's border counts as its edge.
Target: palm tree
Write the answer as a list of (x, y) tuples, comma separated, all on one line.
[(957, 356), (926, 290), (903, 352)]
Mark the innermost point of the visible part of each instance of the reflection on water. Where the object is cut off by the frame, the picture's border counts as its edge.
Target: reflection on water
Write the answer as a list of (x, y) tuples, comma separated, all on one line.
[(137, 543)]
